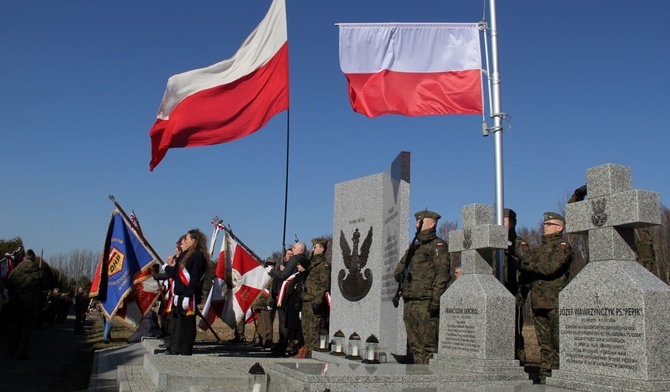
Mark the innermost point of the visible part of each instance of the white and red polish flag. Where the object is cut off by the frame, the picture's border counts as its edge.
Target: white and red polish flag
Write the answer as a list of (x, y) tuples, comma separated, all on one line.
[(412, 69), (216, 300), (247, 278), (230, 99)]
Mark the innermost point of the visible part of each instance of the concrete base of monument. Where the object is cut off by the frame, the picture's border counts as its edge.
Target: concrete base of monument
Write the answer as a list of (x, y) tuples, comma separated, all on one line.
[(593, 382), (507, 368), (614, 329), (343, 377)]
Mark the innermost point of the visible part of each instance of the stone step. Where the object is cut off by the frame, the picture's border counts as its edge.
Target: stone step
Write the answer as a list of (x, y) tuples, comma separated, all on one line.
[(134, 379)]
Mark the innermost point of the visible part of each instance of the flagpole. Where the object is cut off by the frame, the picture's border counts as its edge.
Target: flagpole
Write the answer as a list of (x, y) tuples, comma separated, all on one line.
[(288, 139), (242, 244), (498, 115)]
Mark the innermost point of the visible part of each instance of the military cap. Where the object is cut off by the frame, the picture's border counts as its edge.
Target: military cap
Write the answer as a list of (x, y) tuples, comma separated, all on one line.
[(427, 214), (320, 241), (509, 213), (553, 216)]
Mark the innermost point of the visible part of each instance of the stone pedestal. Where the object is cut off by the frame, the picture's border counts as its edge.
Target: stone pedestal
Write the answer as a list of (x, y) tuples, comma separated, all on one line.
[(614, 319), (477, 311)]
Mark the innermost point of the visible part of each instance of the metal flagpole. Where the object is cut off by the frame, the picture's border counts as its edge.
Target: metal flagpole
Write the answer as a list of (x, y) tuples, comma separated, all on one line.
[(498, 115)]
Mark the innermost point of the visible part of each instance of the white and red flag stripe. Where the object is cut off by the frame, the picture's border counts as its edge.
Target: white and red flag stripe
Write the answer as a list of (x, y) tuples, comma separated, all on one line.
[(216, 300), (230, 99), (413, 69), (248, 280)]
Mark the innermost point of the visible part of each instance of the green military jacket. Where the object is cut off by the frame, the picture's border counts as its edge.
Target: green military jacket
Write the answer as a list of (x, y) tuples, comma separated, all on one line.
[(549, 270), (27, 277), (644, 245), (318, 280), (429, 270), (263, 300)]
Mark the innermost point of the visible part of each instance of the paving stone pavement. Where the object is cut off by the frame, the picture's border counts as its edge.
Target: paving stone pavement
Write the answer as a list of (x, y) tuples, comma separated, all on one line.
[(213, 368)]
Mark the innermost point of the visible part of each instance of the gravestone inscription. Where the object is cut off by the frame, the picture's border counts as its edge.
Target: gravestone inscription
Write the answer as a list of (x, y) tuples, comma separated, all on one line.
[(614, 323)]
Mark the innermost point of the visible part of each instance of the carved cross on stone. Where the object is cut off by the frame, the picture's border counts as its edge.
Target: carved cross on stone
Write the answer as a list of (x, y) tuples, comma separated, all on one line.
[(477, 238), (612, 212)]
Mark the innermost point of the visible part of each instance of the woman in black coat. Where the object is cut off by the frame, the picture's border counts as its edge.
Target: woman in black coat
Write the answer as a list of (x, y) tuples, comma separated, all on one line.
[(188, 272)]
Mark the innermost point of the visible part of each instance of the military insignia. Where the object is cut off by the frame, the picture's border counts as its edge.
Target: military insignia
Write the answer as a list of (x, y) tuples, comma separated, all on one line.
[(116, 258), (354, 285), (439, 244), (599, 217), (467, 238)]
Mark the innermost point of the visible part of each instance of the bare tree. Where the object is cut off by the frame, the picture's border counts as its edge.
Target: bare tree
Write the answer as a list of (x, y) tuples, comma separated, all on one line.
[(75, 268)]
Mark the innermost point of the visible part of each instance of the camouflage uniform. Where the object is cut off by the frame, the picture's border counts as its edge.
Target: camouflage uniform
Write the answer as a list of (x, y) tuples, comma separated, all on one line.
[(265, 315), (25, 284), (314, 306), (644, 245), (549, 272), (426, 279), (517, 282)]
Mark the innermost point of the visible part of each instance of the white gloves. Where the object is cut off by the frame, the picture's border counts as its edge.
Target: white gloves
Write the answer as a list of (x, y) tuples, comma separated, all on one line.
[(268, 269), (185, 302)]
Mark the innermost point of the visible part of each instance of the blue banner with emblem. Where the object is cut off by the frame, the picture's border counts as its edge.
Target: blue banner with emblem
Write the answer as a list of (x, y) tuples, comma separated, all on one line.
[(124, 258)]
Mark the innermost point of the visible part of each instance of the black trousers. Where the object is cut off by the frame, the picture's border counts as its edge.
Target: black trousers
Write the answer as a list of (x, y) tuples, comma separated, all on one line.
[(183, 338)]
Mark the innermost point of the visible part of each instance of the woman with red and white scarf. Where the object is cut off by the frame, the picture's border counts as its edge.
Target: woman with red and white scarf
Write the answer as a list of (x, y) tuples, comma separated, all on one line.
[(188, 272)]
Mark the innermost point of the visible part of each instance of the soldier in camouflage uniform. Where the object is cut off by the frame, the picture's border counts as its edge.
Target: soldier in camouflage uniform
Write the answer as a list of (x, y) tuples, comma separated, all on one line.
[(516, 281), (549, 266), (424, 278), (262, 305), (644, 243), (25, 284), (314, 305)]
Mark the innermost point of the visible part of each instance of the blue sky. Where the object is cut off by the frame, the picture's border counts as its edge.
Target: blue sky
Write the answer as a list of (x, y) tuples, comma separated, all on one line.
[(584, 83)]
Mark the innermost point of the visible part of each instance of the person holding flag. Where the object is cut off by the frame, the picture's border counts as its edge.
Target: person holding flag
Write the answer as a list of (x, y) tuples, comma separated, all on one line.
[(188, 272)]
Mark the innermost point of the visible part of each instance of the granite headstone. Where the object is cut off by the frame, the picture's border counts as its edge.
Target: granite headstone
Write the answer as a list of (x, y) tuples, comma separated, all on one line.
[(477, 311), (614, 319)]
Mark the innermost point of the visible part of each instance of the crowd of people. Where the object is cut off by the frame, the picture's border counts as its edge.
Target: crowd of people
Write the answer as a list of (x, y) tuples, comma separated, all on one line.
[(29, 301), (297, 293)]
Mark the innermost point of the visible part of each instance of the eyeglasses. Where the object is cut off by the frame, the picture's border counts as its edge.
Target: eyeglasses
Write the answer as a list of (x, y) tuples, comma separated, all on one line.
[(551, 224)]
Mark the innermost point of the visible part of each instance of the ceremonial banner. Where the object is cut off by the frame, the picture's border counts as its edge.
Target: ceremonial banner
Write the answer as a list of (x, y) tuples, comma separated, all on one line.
[(121, 272), (248, 280), (214, 306), (412, 69), (230, 99)]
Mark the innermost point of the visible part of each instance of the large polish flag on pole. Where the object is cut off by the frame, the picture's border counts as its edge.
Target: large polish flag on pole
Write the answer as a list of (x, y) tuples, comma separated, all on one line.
[(230, 99), (412, 69)]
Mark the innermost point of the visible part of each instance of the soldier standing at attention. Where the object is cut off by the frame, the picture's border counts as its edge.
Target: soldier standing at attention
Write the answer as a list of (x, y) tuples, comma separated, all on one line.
[(424, 276), (25, 284), (313, 297), (550, 269)]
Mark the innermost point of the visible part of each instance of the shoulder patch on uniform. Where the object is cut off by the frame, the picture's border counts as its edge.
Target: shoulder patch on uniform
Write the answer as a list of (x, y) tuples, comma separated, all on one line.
[(524, 243), (440, 244), (564, 243)]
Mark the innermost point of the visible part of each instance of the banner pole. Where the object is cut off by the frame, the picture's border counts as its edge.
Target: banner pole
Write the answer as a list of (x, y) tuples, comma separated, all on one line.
[(139, 234)]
